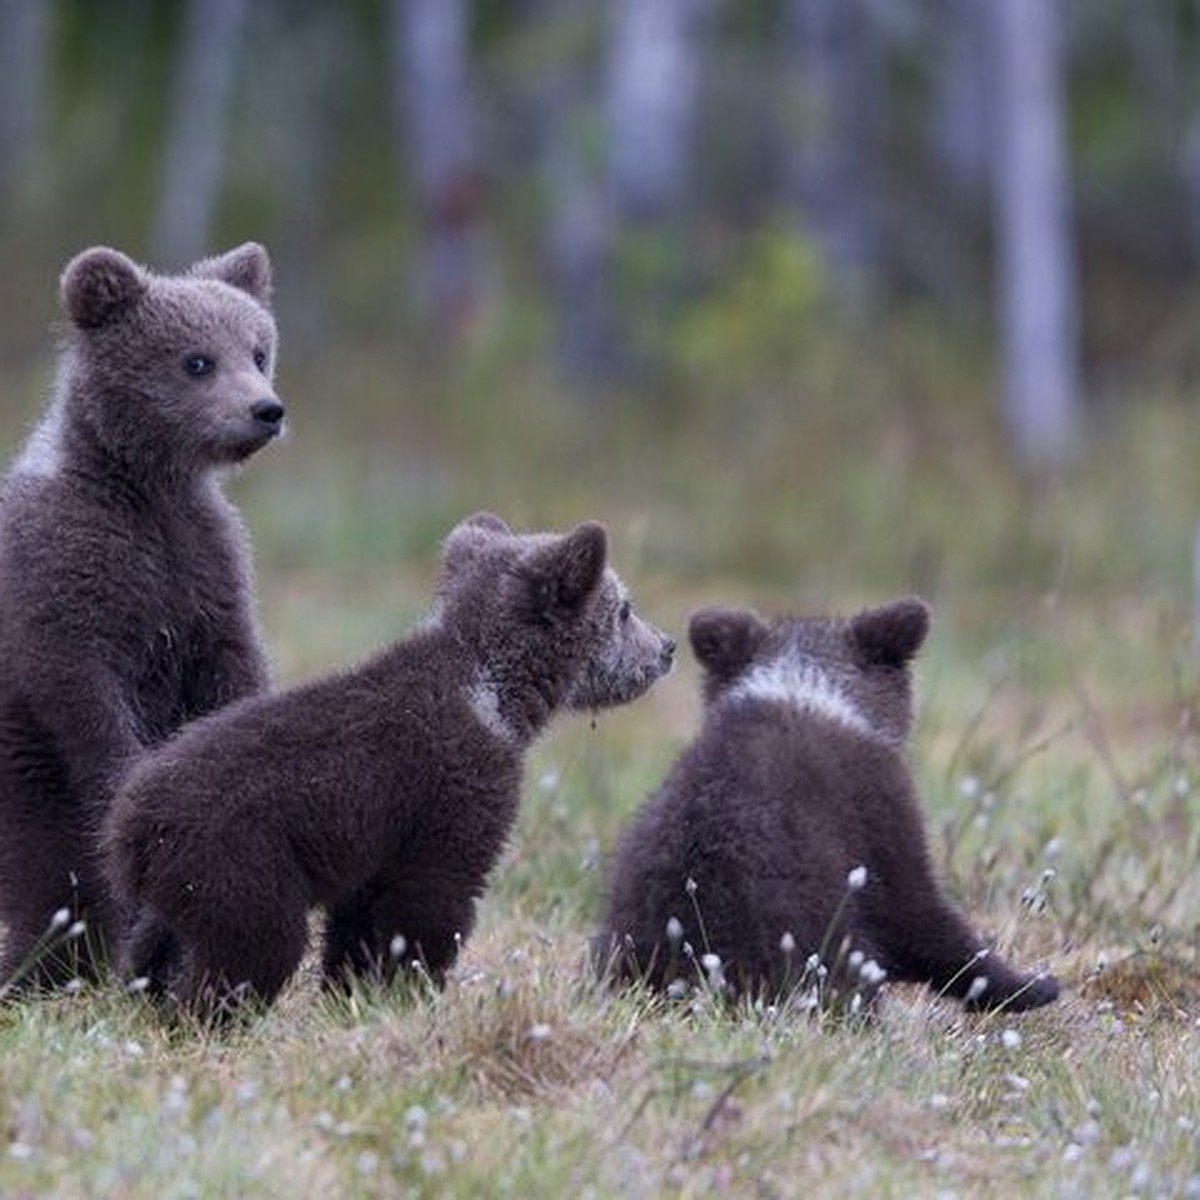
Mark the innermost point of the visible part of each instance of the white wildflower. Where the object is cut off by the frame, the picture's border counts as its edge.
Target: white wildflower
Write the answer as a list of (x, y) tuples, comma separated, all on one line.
[(398, 945), (857, 879), (787, 943), (60, 920), (674, 930), (540, 1032), (979, 985), (872, 973), (691, 886), (1010, 1039)]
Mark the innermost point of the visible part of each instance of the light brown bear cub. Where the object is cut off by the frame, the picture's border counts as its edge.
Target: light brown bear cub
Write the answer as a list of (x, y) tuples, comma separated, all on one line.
[(790, 828), (383, 794)]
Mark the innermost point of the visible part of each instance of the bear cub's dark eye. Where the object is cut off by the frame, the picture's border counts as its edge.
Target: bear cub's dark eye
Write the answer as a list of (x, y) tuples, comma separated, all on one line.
[(199, 365), (260, 360), (624, 612)]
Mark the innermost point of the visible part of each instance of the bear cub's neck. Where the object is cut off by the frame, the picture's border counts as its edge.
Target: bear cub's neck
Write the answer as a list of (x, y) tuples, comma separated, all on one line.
[(509, 701)]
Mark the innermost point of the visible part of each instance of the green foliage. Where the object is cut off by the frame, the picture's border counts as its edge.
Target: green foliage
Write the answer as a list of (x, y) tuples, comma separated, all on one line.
[(767, 318)]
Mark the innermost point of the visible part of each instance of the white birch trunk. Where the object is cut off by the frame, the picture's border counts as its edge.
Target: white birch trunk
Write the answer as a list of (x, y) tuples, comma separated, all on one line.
[(1037, 280), (435, 106), (654, 74), (193, 167)]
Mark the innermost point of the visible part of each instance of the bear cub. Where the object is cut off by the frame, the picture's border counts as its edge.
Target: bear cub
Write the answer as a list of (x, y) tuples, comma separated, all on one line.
[(790, 828), (126, 601), (382, 794)]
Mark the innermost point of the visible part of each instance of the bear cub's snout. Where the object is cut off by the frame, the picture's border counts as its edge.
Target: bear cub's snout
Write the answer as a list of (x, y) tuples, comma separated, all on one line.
[(268, 412)]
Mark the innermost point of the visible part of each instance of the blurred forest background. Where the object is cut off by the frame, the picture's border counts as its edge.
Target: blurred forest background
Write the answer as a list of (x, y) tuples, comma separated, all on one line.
[(835, 295)]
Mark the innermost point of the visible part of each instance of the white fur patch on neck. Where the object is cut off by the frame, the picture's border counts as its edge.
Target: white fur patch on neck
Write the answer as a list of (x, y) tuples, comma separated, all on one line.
[(805, 686), (431, 622), (484, 702), (41, 456)]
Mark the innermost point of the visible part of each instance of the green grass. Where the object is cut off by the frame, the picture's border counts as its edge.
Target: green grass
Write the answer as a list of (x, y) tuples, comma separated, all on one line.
[(1057, 754)]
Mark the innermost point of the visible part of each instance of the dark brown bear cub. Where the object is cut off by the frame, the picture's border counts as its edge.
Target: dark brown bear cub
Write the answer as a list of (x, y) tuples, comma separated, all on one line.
[(789, 833), (382, 794), (126, 605)]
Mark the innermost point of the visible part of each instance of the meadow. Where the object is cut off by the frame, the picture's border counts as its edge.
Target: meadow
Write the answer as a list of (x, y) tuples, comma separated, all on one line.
[(1057, 752)]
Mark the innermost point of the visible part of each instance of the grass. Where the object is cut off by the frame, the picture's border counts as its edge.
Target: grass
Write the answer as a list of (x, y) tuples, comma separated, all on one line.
[(1057, 753)]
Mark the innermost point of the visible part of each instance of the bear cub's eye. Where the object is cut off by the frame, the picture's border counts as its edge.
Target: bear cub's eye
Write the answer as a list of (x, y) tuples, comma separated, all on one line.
[(260, 360), (624, 612), (199, 365)]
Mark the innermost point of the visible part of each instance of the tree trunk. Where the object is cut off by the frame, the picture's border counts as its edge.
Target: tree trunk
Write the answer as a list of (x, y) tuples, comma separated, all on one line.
[(579, 245), (654, 73), (191, 184), (1038, 314), (24, 52), (431, 72), (834, 46)]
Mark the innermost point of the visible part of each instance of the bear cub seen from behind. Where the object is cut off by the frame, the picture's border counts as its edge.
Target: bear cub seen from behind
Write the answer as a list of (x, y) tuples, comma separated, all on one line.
[(790, 828), (383, 794), (126, 603)]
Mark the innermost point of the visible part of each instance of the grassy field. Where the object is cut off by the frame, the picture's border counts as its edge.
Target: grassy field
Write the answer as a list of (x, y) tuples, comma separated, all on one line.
[(1057, 752)]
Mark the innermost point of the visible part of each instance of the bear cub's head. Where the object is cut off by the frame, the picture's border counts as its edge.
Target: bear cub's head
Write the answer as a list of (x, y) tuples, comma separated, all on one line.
[(546, 611), (177, 368), (853, 671)]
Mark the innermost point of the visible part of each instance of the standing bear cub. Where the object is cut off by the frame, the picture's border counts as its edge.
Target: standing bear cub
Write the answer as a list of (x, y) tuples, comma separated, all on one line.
[(126, 604), (790, 827), (383, 794)]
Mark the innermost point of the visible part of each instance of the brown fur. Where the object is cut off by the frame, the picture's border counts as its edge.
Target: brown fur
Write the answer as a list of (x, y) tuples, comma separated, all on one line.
[(125, 588), (797, 778), (382, 794)]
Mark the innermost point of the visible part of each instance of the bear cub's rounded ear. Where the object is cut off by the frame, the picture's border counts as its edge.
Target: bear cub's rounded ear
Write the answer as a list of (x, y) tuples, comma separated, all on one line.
[(247, 268), (891, 634), (725, 640), (487, 520), (565, 574), (470, 537), (99, 284)]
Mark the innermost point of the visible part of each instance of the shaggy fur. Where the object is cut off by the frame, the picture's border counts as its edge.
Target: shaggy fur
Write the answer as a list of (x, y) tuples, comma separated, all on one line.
[(125, 591), (797, 778), (383, 794)]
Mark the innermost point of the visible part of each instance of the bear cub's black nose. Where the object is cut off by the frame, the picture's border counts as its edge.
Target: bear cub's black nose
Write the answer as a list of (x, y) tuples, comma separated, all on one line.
[(269, 412), (668, 651)]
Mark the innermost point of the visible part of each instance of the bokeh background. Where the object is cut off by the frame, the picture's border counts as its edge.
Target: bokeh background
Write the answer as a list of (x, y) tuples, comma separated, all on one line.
[(813, 301)]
